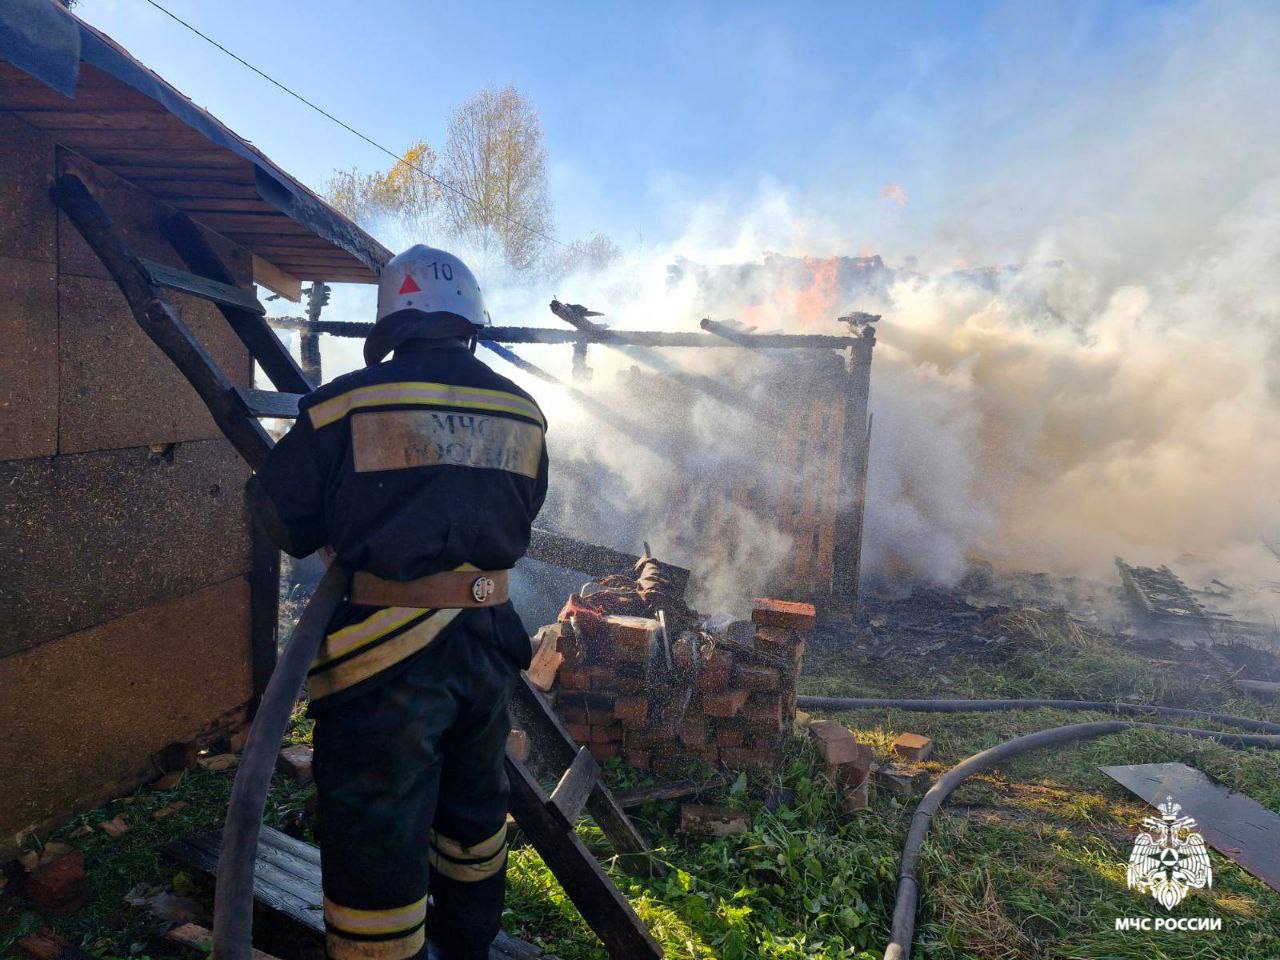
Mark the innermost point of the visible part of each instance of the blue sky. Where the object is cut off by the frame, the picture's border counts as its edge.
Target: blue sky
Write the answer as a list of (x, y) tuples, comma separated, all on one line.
[(646, 106)]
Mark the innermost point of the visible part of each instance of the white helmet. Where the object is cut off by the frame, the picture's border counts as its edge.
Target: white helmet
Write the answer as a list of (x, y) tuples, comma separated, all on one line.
[(424, 293)]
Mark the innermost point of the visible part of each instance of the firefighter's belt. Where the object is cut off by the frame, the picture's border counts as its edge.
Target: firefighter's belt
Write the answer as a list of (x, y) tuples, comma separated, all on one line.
[(449, 590)]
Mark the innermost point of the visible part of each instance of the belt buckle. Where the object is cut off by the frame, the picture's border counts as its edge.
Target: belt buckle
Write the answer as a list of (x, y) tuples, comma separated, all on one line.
[(482, 588)]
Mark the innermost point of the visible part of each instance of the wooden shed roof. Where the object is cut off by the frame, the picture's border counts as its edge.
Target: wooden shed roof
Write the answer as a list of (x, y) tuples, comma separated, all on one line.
[(64, 77)]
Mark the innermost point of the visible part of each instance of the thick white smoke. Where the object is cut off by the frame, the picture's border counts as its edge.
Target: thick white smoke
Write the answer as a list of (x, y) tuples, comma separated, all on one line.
[(1124, 402)]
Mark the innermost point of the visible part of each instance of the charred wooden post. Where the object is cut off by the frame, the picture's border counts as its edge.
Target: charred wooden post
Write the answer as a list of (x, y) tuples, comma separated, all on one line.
[(855, 447), (309, 340)]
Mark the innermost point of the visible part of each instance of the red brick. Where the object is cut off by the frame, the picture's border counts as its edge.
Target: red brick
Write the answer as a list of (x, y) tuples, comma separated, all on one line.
[(601, 678), (682, 654), (637, 737), (725, 704), (635, 757), (575, 679), (756, 677), (45, 945), (631, 710), (634, 632), (579, 731), (829, 730), (706, 754), (775, 639), (848, 775), (603, 751), (836, 743), (629, 684), (59, 886), (853, 799), (728, 737), (763, 710), (693, 731), (784, 613), (744, 758), (606, 733), (715, 670), (573, 714), (913, 746)]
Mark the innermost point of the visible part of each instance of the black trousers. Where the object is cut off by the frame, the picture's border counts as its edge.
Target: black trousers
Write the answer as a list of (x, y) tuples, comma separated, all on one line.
[(413, 796)]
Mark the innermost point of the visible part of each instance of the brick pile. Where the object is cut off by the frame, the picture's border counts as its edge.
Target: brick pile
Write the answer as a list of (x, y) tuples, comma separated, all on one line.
[(726, 698)]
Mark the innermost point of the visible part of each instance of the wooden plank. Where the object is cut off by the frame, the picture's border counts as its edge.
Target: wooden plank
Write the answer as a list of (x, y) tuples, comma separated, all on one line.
[(148, 166), (267, 274), (126, 120), (202, 287), (251, 328), (287, 880), (268, 403), (199, 853), (201, 939), (1234, 824), (601, 904), (553, 745), (28, 218), (104, 533), (88, 710), (660, 793), (93, 142), (571, 793)]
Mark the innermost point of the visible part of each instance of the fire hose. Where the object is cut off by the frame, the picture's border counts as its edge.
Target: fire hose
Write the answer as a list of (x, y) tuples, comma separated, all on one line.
[(233, 897), (982, 706), (904, 911)]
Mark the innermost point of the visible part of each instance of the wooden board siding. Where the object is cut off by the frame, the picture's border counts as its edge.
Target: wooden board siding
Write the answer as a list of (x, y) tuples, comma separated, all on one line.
[(28, 218), (118, 388), (88, 711), (93, 536), (28, 358)]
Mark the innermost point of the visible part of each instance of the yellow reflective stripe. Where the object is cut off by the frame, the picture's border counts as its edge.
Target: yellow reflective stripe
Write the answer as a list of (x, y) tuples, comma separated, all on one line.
[(468, 872), (364, 633), (344, 641), (401, 948), (485, 848), (482, 860), (378, 658), (425, 394), (352, 920)]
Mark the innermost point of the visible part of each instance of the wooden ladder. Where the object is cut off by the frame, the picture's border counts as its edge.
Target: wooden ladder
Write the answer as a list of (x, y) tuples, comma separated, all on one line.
[(549, 821)]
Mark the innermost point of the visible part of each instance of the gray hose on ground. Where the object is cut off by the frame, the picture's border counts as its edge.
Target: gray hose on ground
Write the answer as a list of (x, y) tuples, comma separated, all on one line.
[(904, 909), (977, 706), (233, 897)]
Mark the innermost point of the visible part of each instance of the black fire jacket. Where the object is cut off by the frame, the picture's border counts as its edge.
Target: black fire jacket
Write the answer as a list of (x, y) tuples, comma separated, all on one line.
[(423, 463)]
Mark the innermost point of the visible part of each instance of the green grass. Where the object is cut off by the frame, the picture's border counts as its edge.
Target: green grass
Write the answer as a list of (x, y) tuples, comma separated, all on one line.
[(1025, 862)]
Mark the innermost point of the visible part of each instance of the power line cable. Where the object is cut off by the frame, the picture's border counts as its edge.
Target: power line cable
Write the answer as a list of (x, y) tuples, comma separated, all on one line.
[(346, 126)]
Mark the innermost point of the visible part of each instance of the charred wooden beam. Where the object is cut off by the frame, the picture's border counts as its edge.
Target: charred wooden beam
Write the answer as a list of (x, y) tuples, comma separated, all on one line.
[(639, 338), (594, 560), (576, 316)]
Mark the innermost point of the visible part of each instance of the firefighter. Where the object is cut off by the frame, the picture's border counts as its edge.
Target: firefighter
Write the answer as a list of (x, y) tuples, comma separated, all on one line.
[(423, 473)]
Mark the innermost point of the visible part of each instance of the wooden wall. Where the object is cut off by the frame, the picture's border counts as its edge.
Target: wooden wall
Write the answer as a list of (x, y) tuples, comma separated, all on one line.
[(125, 548)]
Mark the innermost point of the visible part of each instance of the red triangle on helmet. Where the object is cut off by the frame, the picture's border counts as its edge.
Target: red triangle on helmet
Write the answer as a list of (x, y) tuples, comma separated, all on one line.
[(409, 286)]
